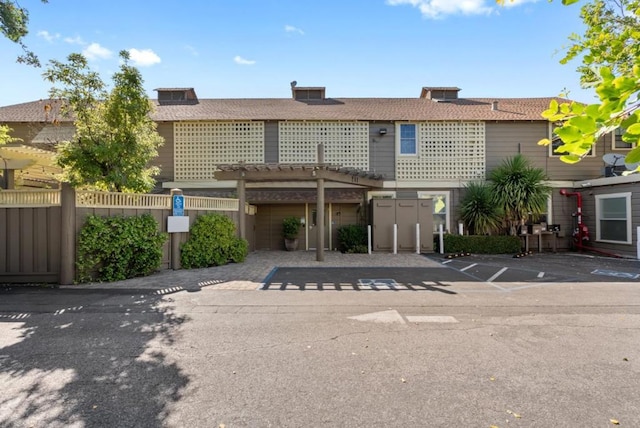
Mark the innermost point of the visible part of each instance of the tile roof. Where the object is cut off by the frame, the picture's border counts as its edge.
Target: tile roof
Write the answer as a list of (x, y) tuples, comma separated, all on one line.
[(369, 109)]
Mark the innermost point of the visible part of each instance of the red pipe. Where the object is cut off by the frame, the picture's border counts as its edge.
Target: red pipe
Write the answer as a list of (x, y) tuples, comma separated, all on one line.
[(582, 233)]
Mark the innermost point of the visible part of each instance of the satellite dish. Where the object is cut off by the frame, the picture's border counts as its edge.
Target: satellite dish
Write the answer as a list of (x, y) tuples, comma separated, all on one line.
[(613, 159), (631, 166)]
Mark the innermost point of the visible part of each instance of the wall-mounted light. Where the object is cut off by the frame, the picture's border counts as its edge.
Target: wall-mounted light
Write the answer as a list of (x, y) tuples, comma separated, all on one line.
[(303, 221), (382, 131)]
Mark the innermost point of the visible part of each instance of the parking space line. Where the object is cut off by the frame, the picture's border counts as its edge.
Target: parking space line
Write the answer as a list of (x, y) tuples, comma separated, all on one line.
[(540, 275), (468, 267), (497, 274)]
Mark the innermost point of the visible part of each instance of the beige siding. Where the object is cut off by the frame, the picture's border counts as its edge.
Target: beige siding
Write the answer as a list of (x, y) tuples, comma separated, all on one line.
[(589, 213), (269, 225), (271, 142), (382, 157), (506, 139), (165, 153)]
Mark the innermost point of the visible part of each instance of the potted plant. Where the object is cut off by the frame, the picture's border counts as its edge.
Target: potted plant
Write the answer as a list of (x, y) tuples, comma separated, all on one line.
[(290, 228)]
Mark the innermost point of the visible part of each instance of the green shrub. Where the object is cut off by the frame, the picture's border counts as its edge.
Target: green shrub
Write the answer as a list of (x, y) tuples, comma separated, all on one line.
[(480, 244), (212, 242), (291, 227), (117, 248), (352, 238)]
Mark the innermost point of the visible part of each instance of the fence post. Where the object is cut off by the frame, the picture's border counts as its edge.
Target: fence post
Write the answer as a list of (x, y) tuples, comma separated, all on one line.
[(67, 234)]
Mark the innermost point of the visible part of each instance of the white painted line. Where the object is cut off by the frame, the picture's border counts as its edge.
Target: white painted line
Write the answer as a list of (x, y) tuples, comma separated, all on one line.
[(468, 267), (432, 318), (541, 274), (446, 261), (497, 274), (386, 317)]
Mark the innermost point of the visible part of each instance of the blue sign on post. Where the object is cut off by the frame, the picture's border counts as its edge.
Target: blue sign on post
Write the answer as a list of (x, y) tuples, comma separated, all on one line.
[(178, 205)]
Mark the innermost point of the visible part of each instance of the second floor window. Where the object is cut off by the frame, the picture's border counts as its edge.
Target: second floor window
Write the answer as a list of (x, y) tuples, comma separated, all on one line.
[(408, 139), (618, 142)]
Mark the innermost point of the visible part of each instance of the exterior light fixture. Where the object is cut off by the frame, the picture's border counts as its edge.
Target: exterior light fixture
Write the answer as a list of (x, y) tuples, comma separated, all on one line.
[(382, 131)]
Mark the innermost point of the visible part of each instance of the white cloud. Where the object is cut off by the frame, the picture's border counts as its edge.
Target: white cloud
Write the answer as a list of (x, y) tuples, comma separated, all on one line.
[(512, 3), (74, 40), (144, 57), (239, 60), (95, 51), (439, 8), (193, 51), (48, 36), (292, 29)]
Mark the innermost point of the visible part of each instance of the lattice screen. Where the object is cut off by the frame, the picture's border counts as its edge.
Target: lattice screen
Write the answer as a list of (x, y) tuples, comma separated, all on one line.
[(345, 143), (446, 151), (200, 146)]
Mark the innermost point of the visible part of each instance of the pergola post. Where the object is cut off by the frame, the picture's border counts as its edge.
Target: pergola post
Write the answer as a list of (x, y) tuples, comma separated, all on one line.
[(242, 201)]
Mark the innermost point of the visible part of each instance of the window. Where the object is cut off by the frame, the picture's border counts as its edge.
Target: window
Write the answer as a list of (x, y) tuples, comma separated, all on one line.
[(618, 143), (557, 142), (408, 140), (440, 208), (613, 218)]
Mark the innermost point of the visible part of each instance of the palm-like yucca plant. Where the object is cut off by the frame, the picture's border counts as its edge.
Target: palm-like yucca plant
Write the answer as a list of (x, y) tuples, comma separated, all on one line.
[(519, 190), (478, 210)]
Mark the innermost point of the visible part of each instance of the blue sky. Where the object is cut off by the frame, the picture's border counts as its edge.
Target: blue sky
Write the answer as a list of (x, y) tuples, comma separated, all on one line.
[(355, 48)]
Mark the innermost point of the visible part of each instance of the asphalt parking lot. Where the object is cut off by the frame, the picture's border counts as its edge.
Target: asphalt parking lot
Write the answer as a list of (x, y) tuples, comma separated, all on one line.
[(485, 271)]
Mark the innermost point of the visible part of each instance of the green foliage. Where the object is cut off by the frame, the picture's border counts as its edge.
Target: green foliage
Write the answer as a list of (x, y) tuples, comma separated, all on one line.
[(5, 137), (480, 244), (478, 210), (212, 242), (115, 137), (609, 51), (291, 227), (117, 248), (353, 238), (14, 21), (519, 190)]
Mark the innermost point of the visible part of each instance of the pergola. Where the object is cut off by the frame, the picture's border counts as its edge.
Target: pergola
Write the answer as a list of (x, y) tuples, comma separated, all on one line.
[(319, 172), (37, 165)]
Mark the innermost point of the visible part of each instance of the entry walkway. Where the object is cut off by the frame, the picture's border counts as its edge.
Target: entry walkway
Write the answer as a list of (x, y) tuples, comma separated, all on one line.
[(258, 266)]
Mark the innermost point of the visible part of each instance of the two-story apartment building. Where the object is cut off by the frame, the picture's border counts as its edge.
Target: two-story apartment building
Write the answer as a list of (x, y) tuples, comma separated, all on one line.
[(427, 147)]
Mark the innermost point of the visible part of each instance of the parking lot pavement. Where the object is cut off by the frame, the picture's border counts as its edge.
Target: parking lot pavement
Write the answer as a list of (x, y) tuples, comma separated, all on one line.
[(544, 267), (464, 274)]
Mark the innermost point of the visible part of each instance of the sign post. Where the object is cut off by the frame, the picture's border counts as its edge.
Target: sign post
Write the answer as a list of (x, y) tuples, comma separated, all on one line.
[(176, 224)]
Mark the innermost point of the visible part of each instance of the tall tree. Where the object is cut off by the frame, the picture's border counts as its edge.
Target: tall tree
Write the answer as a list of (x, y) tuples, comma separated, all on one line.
[(14, 20), (115, 136), (610, 62), (519, 190)]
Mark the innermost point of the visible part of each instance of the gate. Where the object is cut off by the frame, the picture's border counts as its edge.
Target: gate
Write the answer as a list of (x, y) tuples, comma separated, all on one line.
[(407, 214)]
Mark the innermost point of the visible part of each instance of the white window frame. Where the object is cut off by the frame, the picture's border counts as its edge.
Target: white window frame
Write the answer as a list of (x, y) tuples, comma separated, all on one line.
[(430, 194), (599, 198), (552, 154), (399, 139), (614, 139)]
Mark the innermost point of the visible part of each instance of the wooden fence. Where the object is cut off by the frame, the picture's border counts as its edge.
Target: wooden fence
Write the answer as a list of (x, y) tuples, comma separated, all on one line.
[(33, 245)]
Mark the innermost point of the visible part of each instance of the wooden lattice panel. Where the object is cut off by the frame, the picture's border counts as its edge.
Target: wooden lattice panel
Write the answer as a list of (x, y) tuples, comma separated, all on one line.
[(345, 143), (200, 146), (446, 151)]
